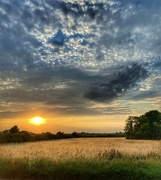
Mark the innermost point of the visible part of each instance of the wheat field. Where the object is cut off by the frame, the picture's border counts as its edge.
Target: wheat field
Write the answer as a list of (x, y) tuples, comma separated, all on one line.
[(71, 148)]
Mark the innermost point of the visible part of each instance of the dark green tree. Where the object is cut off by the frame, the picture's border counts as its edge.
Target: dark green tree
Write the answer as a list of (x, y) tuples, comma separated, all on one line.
[(129, 127), (147, 126), (154, 118)]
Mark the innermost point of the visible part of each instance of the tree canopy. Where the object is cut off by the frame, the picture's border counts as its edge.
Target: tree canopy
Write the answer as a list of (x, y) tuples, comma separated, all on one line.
[(147, 126)]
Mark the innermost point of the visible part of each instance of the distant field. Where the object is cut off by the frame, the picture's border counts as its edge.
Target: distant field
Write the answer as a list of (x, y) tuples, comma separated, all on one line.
[(88, 158), (87, 147)]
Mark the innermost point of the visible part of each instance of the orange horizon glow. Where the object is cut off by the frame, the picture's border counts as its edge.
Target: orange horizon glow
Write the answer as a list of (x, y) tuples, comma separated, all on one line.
[(67, 124)]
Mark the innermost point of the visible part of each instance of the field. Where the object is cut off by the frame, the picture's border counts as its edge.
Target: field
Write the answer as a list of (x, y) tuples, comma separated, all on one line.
[(88, 158)]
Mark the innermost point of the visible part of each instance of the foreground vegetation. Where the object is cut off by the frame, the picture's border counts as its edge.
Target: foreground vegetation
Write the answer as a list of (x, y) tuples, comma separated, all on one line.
[(82, 168), (82, 159)]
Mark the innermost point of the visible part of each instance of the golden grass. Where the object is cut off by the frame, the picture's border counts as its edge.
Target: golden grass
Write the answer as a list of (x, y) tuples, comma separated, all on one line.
[(71, 148)]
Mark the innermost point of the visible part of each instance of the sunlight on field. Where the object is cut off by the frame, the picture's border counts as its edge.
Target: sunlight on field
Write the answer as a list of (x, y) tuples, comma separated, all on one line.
[(64, 149)]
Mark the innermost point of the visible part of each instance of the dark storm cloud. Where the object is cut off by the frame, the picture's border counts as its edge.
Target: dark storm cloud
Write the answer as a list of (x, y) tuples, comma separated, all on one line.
[(123, 81), (62, 89)]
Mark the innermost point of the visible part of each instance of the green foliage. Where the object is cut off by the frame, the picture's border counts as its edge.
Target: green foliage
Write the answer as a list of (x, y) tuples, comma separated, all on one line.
[(147, 126), (118, 167)]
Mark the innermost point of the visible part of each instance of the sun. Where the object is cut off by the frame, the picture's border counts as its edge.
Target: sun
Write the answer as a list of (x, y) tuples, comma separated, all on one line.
[(37, 120)]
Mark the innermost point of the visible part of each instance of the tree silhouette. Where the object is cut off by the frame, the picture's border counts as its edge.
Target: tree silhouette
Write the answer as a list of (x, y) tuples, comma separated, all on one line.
[(60, 134), (14, 129)]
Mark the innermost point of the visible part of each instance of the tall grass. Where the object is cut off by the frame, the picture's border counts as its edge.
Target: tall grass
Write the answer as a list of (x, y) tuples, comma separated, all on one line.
[(81, 168), (82, 159)]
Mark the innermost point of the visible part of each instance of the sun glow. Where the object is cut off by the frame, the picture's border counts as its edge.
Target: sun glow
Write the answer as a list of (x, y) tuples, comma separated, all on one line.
[(37, 120)]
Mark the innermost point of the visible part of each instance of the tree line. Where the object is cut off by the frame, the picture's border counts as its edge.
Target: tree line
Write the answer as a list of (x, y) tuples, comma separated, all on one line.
[(146, 126), (14, 135)]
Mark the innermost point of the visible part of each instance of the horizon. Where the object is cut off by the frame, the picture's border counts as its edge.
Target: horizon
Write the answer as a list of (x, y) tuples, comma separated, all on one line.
[(22, 130), (83, 66)]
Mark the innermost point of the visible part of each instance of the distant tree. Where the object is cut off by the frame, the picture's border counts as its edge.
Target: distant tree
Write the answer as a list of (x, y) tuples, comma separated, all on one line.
[(75, 134), (14, 129), (49, 135), (60, 135), (25, 136), (147, 126)]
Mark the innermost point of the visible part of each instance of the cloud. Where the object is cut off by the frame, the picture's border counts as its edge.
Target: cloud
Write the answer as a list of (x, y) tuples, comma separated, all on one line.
[(87, 8), (118, 36), (122, 81), (60, 38), (10, 114), (64, 54)]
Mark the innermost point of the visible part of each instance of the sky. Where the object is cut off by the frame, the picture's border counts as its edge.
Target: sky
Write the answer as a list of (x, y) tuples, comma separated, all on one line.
[(82, 65)]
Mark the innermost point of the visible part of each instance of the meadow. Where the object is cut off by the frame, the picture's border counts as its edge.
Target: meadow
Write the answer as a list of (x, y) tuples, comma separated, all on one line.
[(82, 158)]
